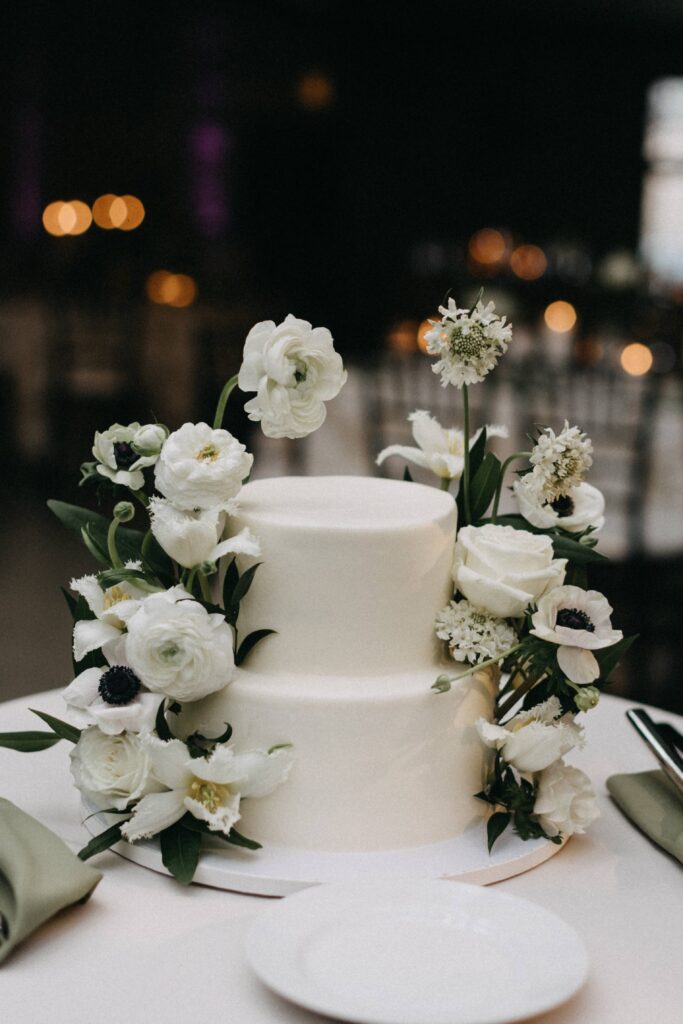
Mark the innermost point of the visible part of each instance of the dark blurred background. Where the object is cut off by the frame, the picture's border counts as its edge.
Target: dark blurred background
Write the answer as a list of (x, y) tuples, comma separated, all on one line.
[(173, 173)]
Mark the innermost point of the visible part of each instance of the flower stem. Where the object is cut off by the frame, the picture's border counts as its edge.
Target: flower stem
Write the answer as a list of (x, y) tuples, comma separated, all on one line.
[(499, 488), (189, 582), (141, 497), (443, 683), (205, 588), (223, 401), (466, 467), (114, 556), (445, 483)]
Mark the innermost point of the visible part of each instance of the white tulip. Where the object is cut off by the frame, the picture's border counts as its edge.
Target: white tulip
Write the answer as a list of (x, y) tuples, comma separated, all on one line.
[(201, 468), (533, 739), (439, 449), (111, 771), (112, 608), (194, 537), (565, 801)]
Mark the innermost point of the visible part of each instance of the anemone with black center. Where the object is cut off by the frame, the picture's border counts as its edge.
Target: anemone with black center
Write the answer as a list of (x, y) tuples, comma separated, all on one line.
[(574, 618), (124, 454), (564, 506), (119, 685)]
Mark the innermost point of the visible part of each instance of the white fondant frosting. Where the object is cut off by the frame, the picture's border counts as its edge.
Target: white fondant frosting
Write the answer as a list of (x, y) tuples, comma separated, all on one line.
[(353, 573)]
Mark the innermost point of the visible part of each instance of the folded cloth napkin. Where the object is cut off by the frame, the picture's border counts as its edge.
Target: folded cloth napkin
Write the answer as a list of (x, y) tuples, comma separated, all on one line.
[(654, 805), (39, 875)]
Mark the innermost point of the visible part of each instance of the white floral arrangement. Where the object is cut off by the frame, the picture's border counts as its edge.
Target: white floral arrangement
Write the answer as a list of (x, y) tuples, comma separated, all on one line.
[(157, 627), (521, 604)]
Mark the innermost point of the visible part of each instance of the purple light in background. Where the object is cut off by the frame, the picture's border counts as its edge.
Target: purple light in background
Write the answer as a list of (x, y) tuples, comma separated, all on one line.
[(25, 190), (210, 147)]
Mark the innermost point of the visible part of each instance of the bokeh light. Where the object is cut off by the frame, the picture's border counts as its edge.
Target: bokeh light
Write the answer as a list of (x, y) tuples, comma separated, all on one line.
[(636, 359), (402, 336), (166, 289), (487, 246), (528, 262), (315, 90), (123, 212), (100, 211), (61, 218), (560, 316)]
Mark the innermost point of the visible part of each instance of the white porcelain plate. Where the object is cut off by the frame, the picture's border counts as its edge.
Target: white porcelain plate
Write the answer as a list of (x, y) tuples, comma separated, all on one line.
[(416, 952)]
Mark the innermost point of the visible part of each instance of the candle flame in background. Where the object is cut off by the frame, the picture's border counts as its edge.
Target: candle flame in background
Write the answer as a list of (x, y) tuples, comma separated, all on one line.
[(560, 316), (636, 359), (167, 289)]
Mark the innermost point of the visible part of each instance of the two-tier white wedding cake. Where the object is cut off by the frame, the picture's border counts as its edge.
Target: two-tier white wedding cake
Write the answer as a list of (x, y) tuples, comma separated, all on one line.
[(354, 571)]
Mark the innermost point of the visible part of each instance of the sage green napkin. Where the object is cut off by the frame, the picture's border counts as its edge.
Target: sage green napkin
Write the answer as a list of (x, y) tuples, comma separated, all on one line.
[(654, 805), (39, 875)]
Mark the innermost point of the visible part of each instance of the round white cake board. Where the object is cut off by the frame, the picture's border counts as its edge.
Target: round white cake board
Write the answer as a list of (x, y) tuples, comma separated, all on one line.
[(280, 871)]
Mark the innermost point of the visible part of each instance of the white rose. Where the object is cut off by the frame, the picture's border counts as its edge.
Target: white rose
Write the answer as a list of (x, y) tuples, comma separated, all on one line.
[(294, 370), (111, 771), (116, 457), (201, 468), (582, 507), (565, 800), (194, 537), (533, 739), (149, 440), (504, 570), (579, 622), (179, 649)]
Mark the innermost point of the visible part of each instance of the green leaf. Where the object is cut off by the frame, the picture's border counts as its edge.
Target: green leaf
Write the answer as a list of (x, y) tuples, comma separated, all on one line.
[(98, 553), (407, 475), (609, 657), (496, 825), (237, 839), (229, 583), (129, 542), (580, 554), (484, 485), (28, 742), (241, 589), (477, 453), (250, 642), (161, 725), (180, 851), (110, 577), (233, 837), (59, 728), (101, 842)]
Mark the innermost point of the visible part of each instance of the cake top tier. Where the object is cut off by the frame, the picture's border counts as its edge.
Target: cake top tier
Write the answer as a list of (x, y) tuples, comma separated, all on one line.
[(354, 571), (342, 503)]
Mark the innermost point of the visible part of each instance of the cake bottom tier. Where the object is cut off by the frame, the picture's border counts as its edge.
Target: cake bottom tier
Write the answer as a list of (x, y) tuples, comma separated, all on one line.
[(380, 763)]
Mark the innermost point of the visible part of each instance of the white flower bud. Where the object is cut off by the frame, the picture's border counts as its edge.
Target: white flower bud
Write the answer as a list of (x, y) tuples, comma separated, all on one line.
[(587, 698), (148, 439)]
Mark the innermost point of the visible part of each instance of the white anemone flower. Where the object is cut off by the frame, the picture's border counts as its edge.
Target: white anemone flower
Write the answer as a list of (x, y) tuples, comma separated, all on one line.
[(533, 739), (579, 622), (582, 507), (194, 537), (112, 608), (469, 342), (111, 698), (117, 457), (440, 449), (210, 788)]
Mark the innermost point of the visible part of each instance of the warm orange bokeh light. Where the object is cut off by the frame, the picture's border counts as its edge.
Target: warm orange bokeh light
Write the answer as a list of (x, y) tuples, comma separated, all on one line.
[(422, 330), (118, 211), (487, 246), (166, 289), (560, 316), (123, 212), (636, 359), (80, 215), (135, 213), (72, 218), (315, 90), (100, 211), (402, 337), (528, 262), (51, 221)]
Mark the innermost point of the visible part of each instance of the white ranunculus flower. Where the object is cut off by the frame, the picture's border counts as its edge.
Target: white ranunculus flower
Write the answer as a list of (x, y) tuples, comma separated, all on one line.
[(201, 468), (194, 537), (565, 801), (294, 370), (112, 607), (112, 771), (111, 698), (582, 507), (209, 788), (504, 570), (149, 440), (533, 739), (116, 457), (579, 622), (442, 450), (179, 649)]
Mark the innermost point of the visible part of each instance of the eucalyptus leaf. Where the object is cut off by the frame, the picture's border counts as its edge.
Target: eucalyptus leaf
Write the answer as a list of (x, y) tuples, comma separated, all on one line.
[(102, 842), (483, 486), (180, 851), (496, 825), (250, 642), (28, 742), (64, 730)]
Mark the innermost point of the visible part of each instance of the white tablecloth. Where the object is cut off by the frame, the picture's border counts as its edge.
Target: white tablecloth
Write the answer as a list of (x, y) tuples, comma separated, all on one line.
[(146, 949)]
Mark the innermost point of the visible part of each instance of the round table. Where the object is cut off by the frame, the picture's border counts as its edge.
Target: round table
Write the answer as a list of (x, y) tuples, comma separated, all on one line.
[(147, 949)]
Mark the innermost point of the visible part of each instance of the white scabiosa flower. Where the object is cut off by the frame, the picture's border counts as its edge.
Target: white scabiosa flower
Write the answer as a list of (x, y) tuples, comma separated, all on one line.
[(111, 607), (579, 622), (533, 739), (194, 537), (560, 461), (577, 510), (468, 342), (112, 698), (472, 634), (177, 648), (504, 570), (441, 450), (112, 771), (201, 468), (565, 801), (117, 458), (210, 788), (294, 369)]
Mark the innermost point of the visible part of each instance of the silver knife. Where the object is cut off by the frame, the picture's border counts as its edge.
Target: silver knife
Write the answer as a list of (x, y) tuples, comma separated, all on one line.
[(668, 757)]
